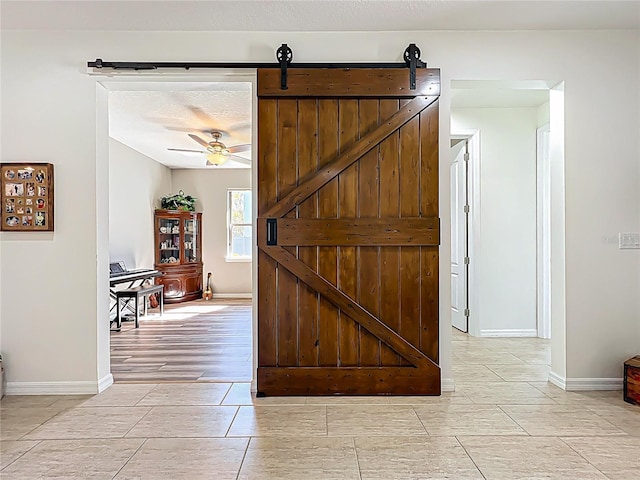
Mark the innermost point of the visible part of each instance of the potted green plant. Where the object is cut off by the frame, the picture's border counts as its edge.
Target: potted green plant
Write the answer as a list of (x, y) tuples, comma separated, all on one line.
[(180, 201)]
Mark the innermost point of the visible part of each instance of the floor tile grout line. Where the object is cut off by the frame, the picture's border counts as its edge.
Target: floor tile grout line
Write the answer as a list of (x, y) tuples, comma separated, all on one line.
[(141, 418), (42, 424), (470, 457), (246, 449), (413, 407), (38, 442), (146, 394), (227, 393), (235, 415), (130, 457), (514, 420), (579, 454), (355, 451)]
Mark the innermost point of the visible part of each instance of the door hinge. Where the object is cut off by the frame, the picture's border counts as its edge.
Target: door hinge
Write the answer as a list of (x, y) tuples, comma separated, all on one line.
[(466, 157), (466, 312), (467, 260), (466, 209)]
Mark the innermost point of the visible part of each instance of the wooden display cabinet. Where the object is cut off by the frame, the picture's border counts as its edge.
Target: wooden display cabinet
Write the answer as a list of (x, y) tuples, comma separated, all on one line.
[(178, 254)]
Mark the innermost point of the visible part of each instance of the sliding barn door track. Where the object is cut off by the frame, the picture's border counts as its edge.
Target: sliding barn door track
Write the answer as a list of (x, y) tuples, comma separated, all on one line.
[(284, 57)]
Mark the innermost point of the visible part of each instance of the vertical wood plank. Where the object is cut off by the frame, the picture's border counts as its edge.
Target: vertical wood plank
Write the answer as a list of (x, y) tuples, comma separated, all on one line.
[(328, 208), (307, 165), (368, 257), (267, 196), (410, 207), (429, 328), (389, 256), (287, 289), (348, 208)]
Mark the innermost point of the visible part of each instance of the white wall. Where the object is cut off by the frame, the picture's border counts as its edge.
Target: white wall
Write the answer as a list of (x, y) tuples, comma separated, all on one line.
[(506, 275), (47, 96), (136, 183), (210, 188)]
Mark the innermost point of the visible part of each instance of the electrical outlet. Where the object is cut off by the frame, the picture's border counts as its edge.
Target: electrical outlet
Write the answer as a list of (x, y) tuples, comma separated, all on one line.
[(629, 240)]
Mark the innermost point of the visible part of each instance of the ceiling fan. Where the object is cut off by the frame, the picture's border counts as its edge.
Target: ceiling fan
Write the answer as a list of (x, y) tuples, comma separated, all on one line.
[(217, 152)]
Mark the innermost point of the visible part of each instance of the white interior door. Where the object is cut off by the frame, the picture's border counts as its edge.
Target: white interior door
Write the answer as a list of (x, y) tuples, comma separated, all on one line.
[(459, 297)]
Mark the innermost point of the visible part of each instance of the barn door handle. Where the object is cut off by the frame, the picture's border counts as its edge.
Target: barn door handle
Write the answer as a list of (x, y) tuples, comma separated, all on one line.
[(272, 231)]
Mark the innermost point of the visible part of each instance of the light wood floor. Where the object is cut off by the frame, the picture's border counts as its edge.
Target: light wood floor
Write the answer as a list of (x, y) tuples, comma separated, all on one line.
[(199, 341)]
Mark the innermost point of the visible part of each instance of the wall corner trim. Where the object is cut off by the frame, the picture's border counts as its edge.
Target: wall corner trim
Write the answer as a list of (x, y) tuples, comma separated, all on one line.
[(105, 382), (448, 385), (54, 388), (232, 295), (585, 384), (510, 332)]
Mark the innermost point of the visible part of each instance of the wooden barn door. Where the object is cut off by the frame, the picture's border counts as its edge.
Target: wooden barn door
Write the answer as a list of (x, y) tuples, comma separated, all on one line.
[(348, 232)]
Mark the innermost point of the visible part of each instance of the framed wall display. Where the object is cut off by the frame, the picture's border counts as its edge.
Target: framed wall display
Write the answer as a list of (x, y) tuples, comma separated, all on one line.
[(27, 197)]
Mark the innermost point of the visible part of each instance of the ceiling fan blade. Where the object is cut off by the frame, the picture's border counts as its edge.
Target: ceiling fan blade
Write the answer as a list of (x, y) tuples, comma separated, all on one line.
[(238, 159), (199, 140), (239, 148), (185, 150)]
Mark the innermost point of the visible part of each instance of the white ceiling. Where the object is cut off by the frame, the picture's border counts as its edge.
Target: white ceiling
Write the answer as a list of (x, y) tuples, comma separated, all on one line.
[(321, 15), (152, 117)]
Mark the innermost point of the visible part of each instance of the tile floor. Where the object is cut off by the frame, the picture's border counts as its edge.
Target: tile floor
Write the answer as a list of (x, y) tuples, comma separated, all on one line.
[(503, 422)]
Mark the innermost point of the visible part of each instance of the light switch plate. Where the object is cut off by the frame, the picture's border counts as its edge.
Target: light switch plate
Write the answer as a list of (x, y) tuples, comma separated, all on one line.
[(629, 240)]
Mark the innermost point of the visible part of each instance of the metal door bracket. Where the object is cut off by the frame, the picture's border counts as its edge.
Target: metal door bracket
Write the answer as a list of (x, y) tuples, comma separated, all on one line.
[(412, 59), (284, 54)]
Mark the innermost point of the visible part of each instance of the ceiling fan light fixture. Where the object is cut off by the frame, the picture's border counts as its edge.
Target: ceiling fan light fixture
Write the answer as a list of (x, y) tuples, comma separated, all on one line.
[(216, 158)]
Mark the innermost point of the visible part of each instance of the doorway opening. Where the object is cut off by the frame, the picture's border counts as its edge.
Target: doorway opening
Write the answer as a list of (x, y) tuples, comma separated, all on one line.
[(170, 138), (500, 254)]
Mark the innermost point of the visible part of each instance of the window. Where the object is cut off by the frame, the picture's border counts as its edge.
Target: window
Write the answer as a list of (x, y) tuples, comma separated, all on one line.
[(240, 229)]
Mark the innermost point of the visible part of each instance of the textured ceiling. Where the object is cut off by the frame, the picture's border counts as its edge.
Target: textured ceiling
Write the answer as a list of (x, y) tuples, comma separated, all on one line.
[(321, 15), (154, 117)]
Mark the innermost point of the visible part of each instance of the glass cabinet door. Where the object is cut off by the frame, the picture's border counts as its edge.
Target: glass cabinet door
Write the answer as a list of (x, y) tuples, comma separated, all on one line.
[(191, 252), (169, 236)]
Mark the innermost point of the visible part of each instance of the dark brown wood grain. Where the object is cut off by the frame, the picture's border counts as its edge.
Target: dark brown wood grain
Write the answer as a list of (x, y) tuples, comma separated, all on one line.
[(350, 288), (267, 196), (390, 210), (360, 231), (328, 148), (307, 297), (348, 306), (287, 288), (350, 155), (410, 256), (348, 338), (374, 82), (349, 381), (368, 257), (429, 303)]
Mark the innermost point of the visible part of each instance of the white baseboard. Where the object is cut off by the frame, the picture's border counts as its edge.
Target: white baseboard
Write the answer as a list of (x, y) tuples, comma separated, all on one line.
[(232, 295), (585, 384), (53, 388), (447, 385), (105, 382), (510, 332)]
